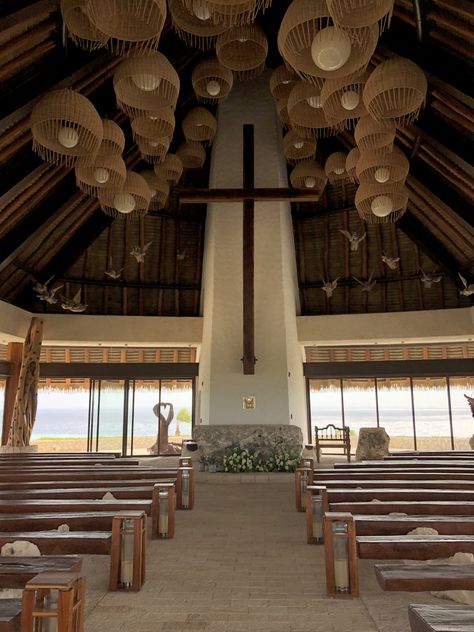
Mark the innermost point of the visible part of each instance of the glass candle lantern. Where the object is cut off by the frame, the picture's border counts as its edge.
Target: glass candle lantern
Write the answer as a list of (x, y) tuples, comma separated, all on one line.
[(127, 566), (185, 461), (162, 512), (53, 602), (303, 478), (316, 507), (185, 488), (341, 555)]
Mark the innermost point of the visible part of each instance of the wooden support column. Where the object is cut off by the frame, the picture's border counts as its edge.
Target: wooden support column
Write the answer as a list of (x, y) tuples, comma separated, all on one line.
[(248, 256), (14, 355)]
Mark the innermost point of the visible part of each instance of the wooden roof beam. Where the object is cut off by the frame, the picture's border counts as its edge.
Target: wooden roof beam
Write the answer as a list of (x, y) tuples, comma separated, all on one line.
[(25, 19)]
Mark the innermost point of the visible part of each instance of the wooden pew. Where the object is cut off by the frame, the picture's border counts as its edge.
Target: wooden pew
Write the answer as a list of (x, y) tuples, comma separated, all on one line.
[(424, 577), (77, 521), (87, 474), (429, 618), (16, 463), (16, 571), (74, 542), (66, 484), (405, 453), (412, 547), (434, 456), (141, 492), (344, 483), (399, 494), (400, 525), (407, 473), (67, 506), (10, 614), (397, 463), (418, 507)]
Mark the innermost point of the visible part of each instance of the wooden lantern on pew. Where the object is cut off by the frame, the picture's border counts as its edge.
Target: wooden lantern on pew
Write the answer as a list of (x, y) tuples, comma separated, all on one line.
[(316, 506), (127, 564), (162, 517), (342, 576), (185, 488), (53, 601), (303, 478)]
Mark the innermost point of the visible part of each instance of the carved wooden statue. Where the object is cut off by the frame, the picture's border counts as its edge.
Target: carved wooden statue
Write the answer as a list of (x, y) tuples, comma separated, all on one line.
[(471, 403), (24, 411), (162, 445)]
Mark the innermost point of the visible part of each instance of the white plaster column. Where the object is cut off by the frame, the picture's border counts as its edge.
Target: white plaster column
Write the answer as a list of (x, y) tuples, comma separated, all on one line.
[(278, 383)]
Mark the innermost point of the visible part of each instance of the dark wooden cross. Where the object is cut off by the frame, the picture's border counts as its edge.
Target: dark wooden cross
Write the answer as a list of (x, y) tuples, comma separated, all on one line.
[(249, 194)]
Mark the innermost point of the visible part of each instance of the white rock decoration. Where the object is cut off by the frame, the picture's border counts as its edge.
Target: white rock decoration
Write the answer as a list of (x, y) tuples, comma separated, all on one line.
[(63, 528), (423, 531), (108, 496), (21, 548)]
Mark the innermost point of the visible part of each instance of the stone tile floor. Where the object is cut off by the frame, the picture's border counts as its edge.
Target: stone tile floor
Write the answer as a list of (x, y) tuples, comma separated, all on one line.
[(239, 563)]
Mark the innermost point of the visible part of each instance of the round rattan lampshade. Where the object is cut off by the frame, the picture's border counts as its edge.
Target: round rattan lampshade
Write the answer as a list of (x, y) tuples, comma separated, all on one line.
[(132, 26), (243, 49), (282, 81), (351, 162), (133, 199), (171, 169), (113, 141), (146, 84), (66, 128), (335, 167), (200, 126), (108, 171), (282, 111), (341, 100), (391, 168), (296, 148), (396, 90), (192, 30), (159, 189), (156, 125), (212, 82), (307, 34), (81, 30), (154, 150), (305, 112), (192, 155), (381, 198), (374, 135), (355, 14), (308, 175), (228, 12)]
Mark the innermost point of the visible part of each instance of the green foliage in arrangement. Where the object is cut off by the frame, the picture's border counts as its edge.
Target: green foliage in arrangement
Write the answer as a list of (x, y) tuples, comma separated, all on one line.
[(242, 460)]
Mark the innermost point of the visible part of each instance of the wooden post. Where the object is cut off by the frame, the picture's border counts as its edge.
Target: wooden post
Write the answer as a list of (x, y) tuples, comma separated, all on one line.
[(347, 573), (248, 261), (14, 356), (317, 505), (163, 498), (303, 478), (185, 488), (128, 541)]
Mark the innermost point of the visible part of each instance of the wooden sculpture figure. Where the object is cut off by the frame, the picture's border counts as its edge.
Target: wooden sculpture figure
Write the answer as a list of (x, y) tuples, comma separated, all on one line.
[(162, 445), (470, 402), (428, 279), (111, 272), (468, 287), (391, 262), (366, 285), (354, 239), (329, 287)]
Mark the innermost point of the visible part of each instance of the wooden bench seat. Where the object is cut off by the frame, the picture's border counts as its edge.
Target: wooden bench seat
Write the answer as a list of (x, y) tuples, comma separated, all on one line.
[(66, 506), (379, 474), (142, 492), (408, 493), (429, 618), (412, 547), (53, 543), (90, 473), (331, 436), (393, 483), (428, 463), (400, 525), (419, 507), (65, 484), (16, 571), (10, 615), (434, 456), (78, 521), (67, 463), (420, 577)]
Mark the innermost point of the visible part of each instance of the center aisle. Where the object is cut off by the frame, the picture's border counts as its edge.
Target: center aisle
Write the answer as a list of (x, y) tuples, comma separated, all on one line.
[(239, 563)]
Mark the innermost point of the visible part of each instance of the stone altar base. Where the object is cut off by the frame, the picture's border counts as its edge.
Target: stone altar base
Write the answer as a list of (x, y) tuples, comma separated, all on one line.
[(373, 444), (263, 440), (11, 449)]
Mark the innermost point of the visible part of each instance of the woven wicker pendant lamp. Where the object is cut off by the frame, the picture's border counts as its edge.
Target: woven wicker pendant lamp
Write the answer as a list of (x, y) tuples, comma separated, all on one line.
[(195, 32), (146, 84), (282, 81), (341, 100), (311, 45), (108, 171), (355, 14), (305, 112), (243, 49), (192, 155), (156, 125), (81, 30), (66, 128), (390, 168), (227, 12), (308, 175), (335, 167), (351, 162), (373, 135), (380, 203), (396, 91), (297, 148), (200, 126), (113, 141), (133, 27), (282, 111), (154, 150), (159, 189), (133, 199), (212, 82), (171, 169)]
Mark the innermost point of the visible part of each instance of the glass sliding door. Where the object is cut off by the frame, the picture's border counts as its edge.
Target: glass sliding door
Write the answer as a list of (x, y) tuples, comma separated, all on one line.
[(396, 412), (107, 425)]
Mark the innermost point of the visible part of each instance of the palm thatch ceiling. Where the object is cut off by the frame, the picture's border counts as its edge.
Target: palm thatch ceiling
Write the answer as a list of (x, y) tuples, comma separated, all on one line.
[(50, 229)]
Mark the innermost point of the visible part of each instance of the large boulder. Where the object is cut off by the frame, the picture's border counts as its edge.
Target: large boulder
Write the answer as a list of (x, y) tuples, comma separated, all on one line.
[(372, 445)]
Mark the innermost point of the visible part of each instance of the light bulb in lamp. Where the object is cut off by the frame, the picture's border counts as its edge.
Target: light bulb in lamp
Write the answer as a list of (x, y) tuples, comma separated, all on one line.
[(242, 40), (382, 206), (146, 82), (350, 100), (330, 49), (299, 144), (339, 171), (68, 137), (101, 175), (124, 203), (310, 182), (201, 11), (213, 88), (314, 102), (382, 174)]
